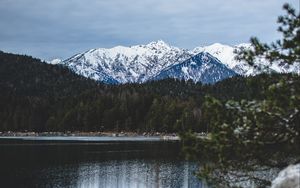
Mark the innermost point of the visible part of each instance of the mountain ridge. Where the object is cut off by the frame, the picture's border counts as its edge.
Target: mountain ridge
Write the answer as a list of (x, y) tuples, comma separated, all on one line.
[(140, 63)]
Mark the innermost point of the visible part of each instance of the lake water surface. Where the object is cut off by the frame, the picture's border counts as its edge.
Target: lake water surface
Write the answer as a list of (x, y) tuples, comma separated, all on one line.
[(94, 162)]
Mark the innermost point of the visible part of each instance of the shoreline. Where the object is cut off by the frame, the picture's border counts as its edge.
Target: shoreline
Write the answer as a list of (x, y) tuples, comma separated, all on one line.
[(163, 136)]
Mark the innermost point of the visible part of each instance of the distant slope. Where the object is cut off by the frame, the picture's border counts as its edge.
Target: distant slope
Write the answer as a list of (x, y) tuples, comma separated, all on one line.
[(27, 76)]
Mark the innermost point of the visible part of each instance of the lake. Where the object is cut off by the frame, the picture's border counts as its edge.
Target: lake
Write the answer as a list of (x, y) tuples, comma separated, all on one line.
[(94, 162)]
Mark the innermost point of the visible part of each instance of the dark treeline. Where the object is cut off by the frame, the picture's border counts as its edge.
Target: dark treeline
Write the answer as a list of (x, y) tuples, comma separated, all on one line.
[(36, 96)]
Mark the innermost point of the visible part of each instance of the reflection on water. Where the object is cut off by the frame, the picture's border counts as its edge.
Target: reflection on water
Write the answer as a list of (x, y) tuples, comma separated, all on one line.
[(117, 165), (122, 174), (136, 174)]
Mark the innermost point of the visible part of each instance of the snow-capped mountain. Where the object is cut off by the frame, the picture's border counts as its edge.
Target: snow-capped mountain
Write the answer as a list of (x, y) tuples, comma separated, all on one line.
[(126, 64), (158, 60), (202, 67)]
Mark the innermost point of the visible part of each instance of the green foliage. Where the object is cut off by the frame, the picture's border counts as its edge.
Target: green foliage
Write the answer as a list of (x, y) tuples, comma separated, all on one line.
[(248, 134)]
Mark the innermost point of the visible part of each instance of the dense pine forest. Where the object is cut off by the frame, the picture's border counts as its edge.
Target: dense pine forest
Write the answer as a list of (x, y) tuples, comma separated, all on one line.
[(36, 96)]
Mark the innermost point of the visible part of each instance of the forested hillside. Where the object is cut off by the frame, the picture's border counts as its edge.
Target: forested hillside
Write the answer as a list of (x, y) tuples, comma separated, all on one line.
[(37, 96)]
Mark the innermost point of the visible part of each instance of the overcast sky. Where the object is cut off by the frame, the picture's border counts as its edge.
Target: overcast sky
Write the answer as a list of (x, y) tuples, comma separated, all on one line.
[(60, 28)]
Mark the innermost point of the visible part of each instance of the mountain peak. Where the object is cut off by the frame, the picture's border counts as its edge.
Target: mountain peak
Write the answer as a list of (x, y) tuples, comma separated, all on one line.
[(217, 45), (202, 67), (212, 47), (158, 44), (55, 61)]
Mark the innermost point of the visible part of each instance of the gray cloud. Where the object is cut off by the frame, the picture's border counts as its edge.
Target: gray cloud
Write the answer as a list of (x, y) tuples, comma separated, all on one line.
[(60, 28)]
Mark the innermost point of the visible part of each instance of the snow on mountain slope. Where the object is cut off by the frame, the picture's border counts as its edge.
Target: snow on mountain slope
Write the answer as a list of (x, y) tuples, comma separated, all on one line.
[(55, 61), (226, 55), (202, 67), (126, 64)]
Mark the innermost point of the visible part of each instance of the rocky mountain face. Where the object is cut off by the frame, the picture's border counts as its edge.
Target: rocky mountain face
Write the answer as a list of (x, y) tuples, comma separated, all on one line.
[(158, 60)]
